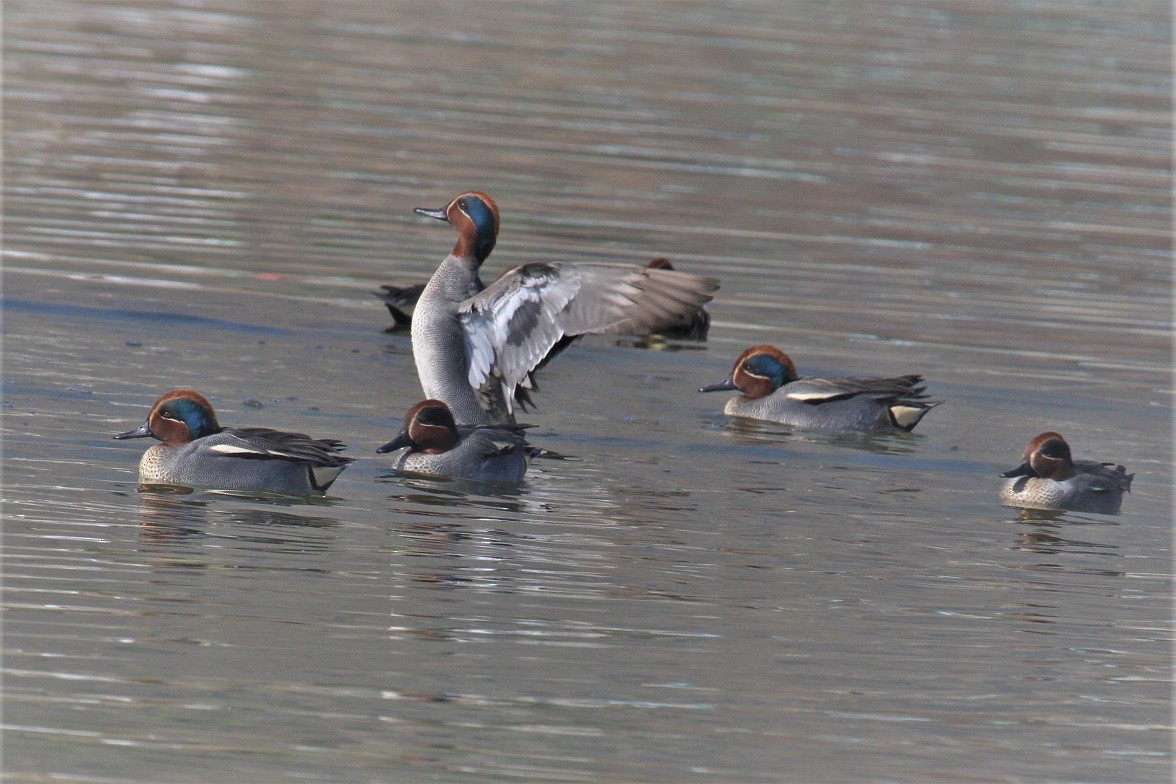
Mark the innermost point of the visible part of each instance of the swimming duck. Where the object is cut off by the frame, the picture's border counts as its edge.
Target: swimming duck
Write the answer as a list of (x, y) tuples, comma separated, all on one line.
[(1049, 478), (401, 302), (692, 326), (433, 443), (772, 391), (197, 452), (476, 346)]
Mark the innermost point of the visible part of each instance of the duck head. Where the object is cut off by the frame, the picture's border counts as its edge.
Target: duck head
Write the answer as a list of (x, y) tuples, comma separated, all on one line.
[(758, 372), (179, 416), (474, 216), (1046, 457), (429, 427)]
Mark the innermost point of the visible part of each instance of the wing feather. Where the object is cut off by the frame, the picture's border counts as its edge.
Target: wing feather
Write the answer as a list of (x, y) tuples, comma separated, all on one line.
[(514, 323), (820, 390), (265, 443)]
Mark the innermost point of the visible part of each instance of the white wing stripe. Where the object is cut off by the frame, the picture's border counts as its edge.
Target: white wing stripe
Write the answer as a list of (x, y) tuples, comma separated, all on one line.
[(811, 395), (232, 449)]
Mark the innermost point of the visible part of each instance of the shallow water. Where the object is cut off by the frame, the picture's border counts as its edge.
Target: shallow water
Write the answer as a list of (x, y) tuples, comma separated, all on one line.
[(203, 194)]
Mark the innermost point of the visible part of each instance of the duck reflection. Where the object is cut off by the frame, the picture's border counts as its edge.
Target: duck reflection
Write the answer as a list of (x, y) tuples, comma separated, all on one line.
[(489, 538), (170, 515), (446, 492), (1050, 532), (753, 432)]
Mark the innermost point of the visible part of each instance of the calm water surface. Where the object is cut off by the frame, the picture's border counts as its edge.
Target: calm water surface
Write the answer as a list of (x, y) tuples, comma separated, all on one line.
[(203, 194)]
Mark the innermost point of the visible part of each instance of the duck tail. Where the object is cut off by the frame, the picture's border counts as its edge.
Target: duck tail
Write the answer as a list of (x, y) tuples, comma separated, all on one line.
[(905, 414)]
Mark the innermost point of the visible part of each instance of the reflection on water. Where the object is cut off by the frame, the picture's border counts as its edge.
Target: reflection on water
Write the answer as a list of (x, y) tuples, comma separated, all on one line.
[(1053, 534), (171, 517), (205, 194), (753, 432)]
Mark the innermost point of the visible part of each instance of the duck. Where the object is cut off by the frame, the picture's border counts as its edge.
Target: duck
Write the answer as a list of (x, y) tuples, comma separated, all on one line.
[(772, 391), (691, 326), (432, 443), (476, 347), (196, 452), (1050, 478), (401, 301)]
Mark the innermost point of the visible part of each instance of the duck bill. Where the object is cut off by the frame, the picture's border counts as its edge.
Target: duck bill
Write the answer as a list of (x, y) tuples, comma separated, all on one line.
[(438, 214), (1021, 470), (723, 386), (142, 431), (402, 440)]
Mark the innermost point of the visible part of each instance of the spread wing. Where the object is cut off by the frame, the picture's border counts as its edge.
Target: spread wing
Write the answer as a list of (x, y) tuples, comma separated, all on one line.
[(512, 325), (264, 443), (823, 390)]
